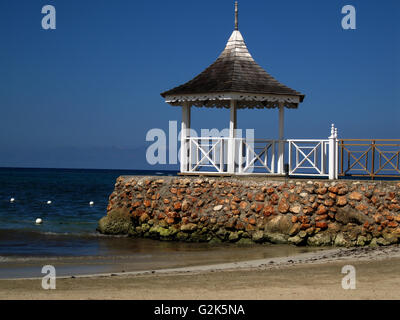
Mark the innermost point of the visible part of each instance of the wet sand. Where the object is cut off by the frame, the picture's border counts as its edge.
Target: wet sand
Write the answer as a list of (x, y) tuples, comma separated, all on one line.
[(310, 275), (143, 254)]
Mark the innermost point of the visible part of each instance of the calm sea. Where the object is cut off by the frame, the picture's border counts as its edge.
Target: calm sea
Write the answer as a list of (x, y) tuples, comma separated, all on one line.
[(68, 240), (69, 222)]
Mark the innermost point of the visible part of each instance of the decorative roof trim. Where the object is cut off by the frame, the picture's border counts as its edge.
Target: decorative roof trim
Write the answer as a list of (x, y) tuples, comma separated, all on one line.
[(244, 100)]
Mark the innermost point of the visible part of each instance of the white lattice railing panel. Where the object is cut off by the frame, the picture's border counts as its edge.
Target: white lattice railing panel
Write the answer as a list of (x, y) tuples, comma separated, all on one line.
[(308, 157), (257, 155), (223, 155), (207, 153)]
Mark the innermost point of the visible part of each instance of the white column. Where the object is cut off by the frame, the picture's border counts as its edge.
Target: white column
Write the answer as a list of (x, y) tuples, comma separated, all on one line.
[(281, 149), (232, 135), (332, 154), (185, 133)]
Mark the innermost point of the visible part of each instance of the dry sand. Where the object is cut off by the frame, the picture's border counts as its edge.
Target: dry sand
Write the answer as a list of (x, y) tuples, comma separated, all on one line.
[(312, 275)]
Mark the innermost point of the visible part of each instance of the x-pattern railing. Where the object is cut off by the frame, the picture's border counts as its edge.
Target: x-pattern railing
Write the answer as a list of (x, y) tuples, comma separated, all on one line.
[(206, 152), (254, 153), (377, 157), (307, 160), (393, 166)]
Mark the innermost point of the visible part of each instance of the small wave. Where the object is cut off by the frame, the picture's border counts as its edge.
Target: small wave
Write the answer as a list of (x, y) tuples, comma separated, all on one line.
[(73, 259), (8, 234), (14, 259), (50, 233)]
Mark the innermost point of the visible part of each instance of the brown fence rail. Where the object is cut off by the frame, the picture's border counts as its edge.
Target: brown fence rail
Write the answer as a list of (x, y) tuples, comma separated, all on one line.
[(369, 157)]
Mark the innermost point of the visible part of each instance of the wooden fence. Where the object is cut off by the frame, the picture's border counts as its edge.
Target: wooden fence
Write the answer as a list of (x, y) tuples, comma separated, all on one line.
[(369, 157)]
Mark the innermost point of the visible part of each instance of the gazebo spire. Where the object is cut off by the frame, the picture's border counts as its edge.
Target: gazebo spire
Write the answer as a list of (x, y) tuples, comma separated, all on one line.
[(236, 16)]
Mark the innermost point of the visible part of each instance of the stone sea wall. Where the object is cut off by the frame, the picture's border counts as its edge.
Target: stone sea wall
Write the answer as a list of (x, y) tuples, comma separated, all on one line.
[(244, 210)]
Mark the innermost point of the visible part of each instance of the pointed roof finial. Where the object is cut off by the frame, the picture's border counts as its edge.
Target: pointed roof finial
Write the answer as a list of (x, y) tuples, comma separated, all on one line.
[(236, 16)]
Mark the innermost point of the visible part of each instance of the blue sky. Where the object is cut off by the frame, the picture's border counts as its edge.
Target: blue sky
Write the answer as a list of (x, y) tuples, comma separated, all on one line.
[(85, 95)]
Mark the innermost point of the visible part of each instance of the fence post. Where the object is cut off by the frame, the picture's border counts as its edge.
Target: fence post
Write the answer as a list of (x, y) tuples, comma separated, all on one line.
[(273, 157), (290, 156), (336, 155), (232, 135), (185, 133), (240, 158), (281, 145), (373, 160), (332, 154)]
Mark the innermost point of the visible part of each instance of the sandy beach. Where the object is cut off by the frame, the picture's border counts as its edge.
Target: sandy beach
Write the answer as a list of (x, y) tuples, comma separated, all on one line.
[(310, 275)]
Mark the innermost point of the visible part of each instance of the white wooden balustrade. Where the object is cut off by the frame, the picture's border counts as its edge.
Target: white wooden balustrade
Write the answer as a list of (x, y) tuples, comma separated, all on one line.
[(305, 157), (256, 154), (310, 157)]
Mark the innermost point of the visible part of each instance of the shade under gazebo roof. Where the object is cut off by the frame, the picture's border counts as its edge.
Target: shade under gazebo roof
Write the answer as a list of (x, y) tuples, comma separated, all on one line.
[(234, 76)]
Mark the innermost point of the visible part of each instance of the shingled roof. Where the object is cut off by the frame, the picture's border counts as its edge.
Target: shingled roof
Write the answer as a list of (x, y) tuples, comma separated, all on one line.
[(235, 71)]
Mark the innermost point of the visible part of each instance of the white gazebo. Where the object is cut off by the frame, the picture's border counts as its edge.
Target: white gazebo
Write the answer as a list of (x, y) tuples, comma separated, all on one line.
[(234, 81)]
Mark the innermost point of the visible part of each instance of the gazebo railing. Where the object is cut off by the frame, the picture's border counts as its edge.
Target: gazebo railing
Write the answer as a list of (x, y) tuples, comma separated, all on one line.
[(308, 157), (251, 156), (207, 152), (241, 156), (256, 156)]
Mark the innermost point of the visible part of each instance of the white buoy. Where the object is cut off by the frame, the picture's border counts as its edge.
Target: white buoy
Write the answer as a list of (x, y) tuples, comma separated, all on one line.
[(12, 200), (91, 203), (49, 202), (39, 221)]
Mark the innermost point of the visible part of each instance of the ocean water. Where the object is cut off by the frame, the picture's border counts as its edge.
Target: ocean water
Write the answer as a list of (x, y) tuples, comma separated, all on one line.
[(69, 216), (68, 239)]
